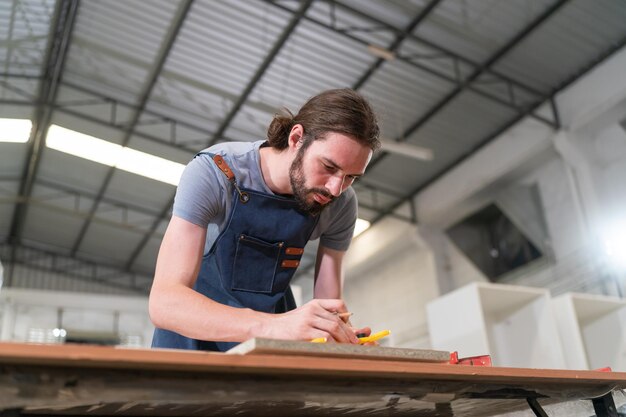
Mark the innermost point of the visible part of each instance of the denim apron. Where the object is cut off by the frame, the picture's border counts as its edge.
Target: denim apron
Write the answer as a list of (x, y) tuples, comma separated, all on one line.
[(252, 260)]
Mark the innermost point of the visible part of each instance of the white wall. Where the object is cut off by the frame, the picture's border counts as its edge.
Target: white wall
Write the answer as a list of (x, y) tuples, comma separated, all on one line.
[(389, 280)]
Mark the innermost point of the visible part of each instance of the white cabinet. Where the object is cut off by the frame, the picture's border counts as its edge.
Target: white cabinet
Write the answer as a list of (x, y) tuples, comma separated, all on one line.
[(513, 324), (593, 330)]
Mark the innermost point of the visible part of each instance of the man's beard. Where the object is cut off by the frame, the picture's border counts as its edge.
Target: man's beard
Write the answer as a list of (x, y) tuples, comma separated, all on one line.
[(300, 192)]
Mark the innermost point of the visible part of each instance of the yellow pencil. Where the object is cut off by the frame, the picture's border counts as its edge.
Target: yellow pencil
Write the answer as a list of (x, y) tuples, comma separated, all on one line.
[(367, 339), (374, 337)]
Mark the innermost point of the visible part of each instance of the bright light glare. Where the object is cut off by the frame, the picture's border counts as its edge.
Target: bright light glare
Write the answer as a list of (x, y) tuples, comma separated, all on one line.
[(15, 130), (83, 146), (615, 244), (151, 166), (360, 226), (56, 332), (107, 153)]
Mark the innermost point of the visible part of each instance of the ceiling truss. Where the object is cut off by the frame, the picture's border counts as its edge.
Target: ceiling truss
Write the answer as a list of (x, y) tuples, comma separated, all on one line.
[(35, 260)]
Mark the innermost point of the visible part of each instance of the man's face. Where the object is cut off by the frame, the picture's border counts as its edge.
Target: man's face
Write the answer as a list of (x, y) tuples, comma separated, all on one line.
[(321, 172)]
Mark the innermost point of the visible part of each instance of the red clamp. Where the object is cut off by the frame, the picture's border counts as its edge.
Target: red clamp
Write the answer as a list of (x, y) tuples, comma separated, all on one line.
[(605, 369), (484, 360)]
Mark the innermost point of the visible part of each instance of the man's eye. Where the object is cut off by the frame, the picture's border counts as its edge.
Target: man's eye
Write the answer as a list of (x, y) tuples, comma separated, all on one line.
[(329, 168)]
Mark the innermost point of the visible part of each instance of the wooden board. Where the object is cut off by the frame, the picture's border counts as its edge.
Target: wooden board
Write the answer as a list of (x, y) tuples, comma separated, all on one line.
[(338, 350)]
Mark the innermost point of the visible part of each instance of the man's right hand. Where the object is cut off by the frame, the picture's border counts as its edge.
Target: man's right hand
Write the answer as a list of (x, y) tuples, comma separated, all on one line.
[(317, 318)]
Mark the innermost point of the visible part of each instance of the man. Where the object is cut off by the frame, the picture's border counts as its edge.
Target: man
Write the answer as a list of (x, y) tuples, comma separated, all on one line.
[(242, 215)]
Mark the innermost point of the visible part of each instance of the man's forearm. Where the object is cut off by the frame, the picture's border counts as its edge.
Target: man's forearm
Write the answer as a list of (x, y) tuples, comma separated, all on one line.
[(189, 313)]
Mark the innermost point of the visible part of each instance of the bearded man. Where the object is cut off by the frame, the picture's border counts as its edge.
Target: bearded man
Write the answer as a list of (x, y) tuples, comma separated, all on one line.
[(244, 212)]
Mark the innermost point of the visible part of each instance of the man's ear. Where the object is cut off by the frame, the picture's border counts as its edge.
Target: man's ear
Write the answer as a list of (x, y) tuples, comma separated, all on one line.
[(296, 136)]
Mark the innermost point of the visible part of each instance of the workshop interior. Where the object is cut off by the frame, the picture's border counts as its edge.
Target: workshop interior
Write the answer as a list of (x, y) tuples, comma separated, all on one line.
[(488, 257)]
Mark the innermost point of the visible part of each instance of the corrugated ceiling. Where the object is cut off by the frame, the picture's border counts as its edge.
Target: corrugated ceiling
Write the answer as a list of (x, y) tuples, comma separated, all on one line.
[(171, 77)]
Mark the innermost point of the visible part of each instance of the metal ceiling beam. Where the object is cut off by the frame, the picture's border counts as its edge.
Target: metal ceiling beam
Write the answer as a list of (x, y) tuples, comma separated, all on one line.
[(44, 203), (278, 45), (107, 123), (80, 269), (455, 80), (287, 31), (423, 14), (461, 87), (260, 106), (19, 91), (202, 131), (166, 47), (505, 49), (395, 215), (438, 48), (123, 205), (164, 214), (370, 186), (551, 97), (61, 32), (111, 121), (59, 41), (9, 38), (23, 76)]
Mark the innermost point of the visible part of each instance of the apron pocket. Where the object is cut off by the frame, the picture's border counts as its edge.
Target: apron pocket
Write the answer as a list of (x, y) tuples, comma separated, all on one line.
[(254, 268)]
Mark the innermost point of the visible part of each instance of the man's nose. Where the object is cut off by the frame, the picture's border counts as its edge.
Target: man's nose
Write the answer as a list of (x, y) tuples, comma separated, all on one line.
[(335, 185)]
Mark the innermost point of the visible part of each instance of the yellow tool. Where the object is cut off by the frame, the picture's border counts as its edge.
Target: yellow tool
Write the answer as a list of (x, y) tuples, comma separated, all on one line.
[(372, 338)]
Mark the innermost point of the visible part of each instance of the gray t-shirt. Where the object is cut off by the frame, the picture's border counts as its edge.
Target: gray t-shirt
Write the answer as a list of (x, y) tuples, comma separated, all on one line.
[(204, 195)]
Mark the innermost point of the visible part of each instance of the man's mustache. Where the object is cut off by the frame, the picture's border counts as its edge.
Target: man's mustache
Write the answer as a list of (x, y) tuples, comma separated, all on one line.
[(322, 191)]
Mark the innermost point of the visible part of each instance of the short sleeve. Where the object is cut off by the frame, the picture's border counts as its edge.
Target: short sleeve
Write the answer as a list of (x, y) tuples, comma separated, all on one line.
[(200, 192), (338, 235)]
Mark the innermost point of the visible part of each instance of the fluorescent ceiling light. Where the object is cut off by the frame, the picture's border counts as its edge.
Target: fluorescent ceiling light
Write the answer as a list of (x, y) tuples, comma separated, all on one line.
[(83, 146), (406, 149), (360, 226), (150, 166), (15, 130), (110, 154)]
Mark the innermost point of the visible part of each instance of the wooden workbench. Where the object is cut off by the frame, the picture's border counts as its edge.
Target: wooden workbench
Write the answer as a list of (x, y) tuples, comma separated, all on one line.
[(105, 381)]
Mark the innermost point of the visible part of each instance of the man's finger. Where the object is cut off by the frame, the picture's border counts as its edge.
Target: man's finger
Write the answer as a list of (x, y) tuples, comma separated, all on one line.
[(335, 327), (332, 305)]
